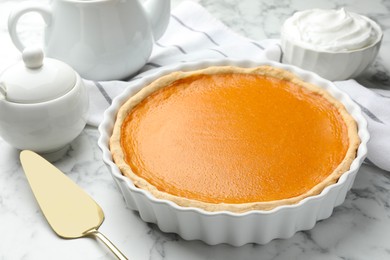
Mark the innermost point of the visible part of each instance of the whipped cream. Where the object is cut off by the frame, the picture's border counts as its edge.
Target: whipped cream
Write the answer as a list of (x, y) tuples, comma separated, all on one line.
[(331, 30)]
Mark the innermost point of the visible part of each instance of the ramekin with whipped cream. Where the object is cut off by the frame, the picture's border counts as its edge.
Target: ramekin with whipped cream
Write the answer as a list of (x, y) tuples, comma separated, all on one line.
[(336, 44)]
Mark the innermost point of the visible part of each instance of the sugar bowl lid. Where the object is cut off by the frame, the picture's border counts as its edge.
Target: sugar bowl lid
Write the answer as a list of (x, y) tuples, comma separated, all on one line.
[(36, 79)]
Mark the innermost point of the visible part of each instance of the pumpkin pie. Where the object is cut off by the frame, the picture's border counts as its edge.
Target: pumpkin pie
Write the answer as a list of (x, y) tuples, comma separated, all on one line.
[(234, 139)]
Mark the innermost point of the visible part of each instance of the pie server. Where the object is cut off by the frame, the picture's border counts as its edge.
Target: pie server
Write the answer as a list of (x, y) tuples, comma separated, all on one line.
[(70, 211)]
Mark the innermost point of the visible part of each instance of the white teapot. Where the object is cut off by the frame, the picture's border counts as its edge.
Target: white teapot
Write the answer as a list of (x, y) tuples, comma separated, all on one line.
[(43, 104), (100, 39)]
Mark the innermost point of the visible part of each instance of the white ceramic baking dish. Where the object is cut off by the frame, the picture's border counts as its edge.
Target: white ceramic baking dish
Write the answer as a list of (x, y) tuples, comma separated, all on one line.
[(226, 227)]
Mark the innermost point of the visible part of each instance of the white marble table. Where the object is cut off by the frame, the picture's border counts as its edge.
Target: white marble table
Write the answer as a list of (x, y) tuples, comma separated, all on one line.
[(358, 229)]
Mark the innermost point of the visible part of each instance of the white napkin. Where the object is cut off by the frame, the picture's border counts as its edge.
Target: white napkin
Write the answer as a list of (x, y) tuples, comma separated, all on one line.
[(193, 34)]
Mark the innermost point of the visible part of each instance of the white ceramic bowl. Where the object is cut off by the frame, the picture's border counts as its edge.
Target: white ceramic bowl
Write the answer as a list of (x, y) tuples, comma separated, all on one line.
[(226, 227), (46, 127), (331, 65)]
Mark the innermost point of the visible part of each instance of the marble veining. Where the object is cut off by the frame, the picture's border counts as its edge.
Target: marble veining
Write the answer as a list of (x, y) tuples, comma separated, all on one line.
[(358, 229)]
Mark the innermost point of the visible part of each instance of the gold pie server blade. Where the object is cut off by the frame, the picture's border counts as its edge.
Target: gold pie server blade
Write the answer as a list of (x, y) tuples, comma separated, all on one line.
[(70, 211)]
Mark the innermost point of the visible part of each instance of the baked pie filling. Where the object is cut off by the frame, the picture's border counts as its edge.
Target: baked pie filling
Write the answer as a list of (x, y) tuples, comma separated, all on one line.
[(229, 138)]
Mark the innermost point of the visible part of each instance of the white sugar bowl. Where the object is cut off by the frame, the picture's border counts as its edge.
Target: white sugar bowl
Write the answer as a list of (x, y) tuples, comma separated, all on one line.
[(43, 105)]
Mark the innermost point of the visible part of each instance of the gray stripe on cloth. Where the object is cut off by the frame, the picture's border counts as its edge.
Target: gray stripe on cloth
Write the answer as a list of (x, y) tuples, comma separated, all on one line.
[(220, 52), (173, 45), (381, 95), (192, 29), (103, 92), (258, 45), (369, 113), (281, 53), (152, 64)]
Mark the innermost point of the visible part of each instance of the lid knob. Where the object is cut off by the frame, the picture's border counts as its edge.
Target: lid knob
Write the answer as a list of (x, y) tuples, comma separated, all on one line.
[(33, 57)]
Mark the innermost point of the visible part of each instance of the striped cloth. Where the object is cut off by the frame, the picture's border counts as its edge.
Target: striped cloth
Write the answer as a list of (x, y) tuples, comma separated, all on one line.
[(193, 34)]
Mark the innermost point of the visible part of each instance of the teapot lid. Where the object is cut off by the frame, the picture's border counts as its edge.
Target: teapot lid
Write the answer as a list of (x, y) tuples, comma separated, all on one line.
[(36, 79)]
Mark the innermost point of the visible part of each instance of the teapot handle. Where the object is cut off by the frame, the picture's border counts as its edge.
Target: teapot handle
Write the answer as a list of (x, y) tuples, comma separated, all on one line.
[(18, 12)]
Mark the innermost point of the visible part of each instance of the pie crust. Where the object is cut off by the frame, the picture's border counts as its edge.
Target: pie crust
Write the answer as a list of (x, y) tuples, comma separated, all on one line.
[(269, 71)]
